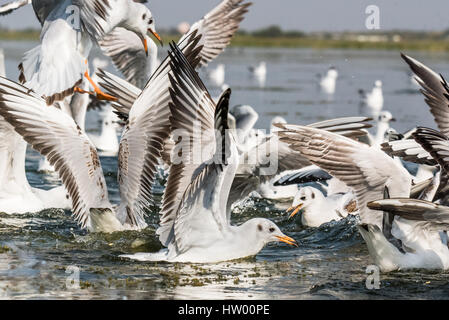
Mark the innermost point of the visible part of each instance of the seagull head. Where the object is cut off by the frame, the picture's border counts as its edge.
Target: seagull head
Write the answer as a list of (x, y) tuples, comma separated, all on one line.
[(142, 23), (385, 116), (303, 198), (332, 73), (267, 231)]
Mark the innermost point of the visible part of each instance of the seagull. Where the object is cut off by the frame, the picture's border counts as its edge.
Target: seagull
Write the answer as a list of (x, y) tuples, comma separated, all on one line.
[(16, 194), (195, 225), (56, 68), (259, 72), (55, 134), (217, 75), (414, 230), (366, 170), (217, 28), (374, 100), (9, 7), (434, 89), (107, 142), (260, 167), (328, 82), (383, 125), (317, 209), (245, 118)]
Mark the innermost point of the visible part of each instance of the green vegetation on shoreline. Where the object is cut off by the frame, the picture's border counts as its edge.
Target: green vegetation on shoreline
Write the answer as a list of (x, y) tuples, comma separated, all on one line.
[(274, 37)]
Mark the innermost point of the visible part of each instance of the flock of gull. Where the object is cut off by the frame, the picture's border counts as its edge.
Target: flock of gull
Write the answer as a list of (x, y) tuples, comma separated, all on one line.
[(213, 155)]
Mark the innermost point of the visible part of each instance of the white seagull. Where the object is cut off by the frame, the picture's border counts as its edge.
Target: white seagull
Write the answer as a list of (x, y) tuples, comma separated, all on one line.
[(374, 100), (414, 230), (56, 68), (16, 194), (217, 75), (366, 170), (217, 28), (195, 224), (55, 134), (259, 72), (318, 209), (329, 81)]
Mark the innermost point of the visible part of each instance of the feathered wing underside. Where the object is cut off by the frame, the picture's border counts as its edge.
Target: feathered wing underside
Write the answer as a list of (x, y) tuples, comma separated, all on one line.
[(436, 92), (142, 145), (218, 27), (312, 175), (125, 49), (437, 216), (366, 170), (436, 143), (127, 93), (192, 124), (51, 73), (408, 150), (56, 136), (95, 16), (273, 156)]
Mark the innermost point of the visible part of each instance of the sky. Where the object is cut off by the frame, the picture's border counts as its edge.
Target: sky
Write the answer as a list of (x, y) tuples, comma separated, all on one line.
[(305, 15)]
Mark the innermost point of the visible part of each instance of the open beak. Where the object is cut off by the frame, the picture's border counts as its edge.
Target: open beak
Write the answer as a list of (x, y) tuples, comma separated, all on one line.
[(295, 210), (287, 240), (158, 37), (144, 42)]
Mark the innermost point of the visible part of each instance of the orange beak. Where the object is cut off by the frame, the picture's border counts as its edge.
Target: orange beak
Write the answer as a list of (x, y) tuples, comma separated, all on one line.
[(295, 210), (287, 240), (157, 36), (145, 45)]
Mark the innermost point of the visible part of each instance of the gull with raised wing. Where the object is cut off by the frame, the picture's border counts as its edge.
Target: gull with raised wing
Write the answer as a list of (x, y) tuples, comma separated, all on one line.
[(366, 170), (56, 135), (55, 68), (413, 234), (217, 28), (195, 224)]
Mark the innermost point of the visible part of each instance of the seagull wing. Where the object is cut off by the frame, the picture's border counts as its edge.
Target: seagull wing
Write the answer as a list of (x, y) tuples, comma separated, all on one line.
[(435, 90), (127, 93), (218, 27), (9, 7), (366, 170), (142, 145), (56, 136), (195, 118)]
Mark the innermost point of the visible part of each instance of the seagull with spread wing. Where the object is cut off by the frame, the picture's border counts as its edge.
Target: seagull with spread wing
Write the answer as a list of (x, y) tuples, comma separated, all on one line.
[(216, 29), (413, 234), (55, 135), (195, 224), (55, 68)]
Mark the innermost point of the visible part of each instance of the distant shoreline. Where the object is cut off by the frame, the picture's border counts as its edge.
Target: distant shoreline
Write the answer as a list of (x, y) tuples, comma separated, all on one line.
[(245, 40)]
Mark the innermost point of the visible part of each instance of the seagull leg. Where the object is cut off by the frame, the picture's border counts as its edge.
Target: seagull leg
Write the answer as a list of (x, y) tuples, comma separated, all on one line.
[(98, 93)]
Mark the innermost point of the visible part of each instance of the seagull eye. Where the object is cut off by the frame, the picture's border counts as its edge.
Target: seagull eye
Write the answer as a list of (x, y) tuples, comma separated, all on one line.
[(303, 198), (151, 21), (271, 229)]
